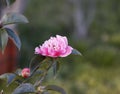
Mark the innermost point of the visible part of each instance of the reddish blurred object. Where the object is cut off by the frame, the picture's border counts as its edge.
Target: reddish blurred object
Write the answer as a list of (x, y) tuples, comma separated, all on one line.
[(8, 60)]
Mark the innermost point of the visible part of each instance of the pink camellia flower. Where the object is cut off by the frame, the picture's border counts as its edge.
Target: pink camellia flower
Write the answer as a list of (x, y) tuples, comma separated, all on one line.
[(55, 47), (25, 72)]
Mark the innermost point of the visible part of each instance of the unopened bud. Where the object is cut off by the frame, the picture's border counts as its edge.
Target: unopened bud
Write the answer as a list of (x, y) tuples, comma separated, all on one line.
[(25, 72)]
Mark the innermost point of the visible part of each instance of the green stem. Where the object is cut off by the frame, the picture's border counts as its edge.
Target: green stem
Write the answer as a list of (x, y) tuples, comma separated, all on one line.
[(44, 75)]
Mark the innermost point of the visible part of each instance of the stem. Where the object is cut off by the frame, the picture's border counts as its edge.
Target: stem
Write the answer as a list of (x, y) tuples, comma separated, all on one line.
[(44, 75), (37, 67)]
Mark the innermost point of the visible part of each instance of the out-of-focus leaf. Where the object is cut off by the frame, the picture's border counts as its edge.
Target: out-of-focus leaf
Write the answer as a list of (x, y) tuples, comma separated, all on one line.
[(56, 88), (24, 88), (9, 77), (4, 39), (13, 18), (14, 37), (76, 52), (56, 67), (35, 62)]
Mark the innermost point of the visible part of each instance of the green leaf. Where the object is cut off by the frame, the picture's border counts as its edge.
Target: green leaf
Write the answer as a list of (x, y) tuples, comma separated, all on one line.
[(9, 77), (14, 37), (76, 52), (35, 62), (55, 88), (56, 67), (24, 88), (13, 18), (4, 39)]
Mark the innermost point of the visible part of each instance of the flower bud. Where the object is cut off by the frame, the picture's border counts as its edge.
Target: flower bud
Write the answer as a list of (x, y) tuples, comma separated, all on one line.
[(25, 72)]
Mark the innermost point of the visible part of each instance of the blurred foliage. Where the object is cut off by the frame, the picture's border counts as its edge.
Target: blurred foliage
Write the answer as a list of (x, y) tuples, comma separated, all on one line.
[(97, 71)]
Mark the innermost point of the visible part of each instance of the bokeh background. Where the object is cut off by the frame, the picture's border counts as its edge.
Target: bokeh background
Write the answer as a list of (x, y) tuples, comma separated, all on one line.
[(92, 27)]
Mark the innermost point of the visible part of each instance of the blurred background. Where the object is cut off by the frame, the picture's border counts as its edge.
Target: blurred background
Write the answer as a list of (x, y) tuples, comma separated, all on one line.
[(92, 27)]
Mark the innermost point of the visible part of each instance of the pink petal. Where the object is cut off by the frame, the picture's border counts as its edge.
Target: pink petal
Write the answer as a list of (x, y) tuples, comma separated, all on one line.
[(68, 52), (37, 50)]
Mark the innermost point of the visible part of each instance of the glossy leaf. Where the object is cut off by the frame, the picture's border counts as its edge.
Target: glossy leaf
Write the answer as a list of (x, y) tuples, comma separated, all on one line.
[(35, 62), (9, 77), (13, 18), (56, 88), (14, 37), (4, 39), (76, 52), (24, 88)]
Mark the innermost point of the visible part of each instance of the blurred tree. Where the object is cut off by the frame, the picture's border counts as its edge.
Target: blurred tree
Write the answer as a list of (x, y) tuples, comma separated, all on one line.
[(83, 15)]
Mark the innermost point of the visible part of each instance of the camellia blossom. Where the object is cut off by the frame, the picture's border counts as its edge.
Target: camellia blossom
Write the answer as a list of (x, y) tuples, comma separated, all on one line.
[(25, 72), (55, 47)]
